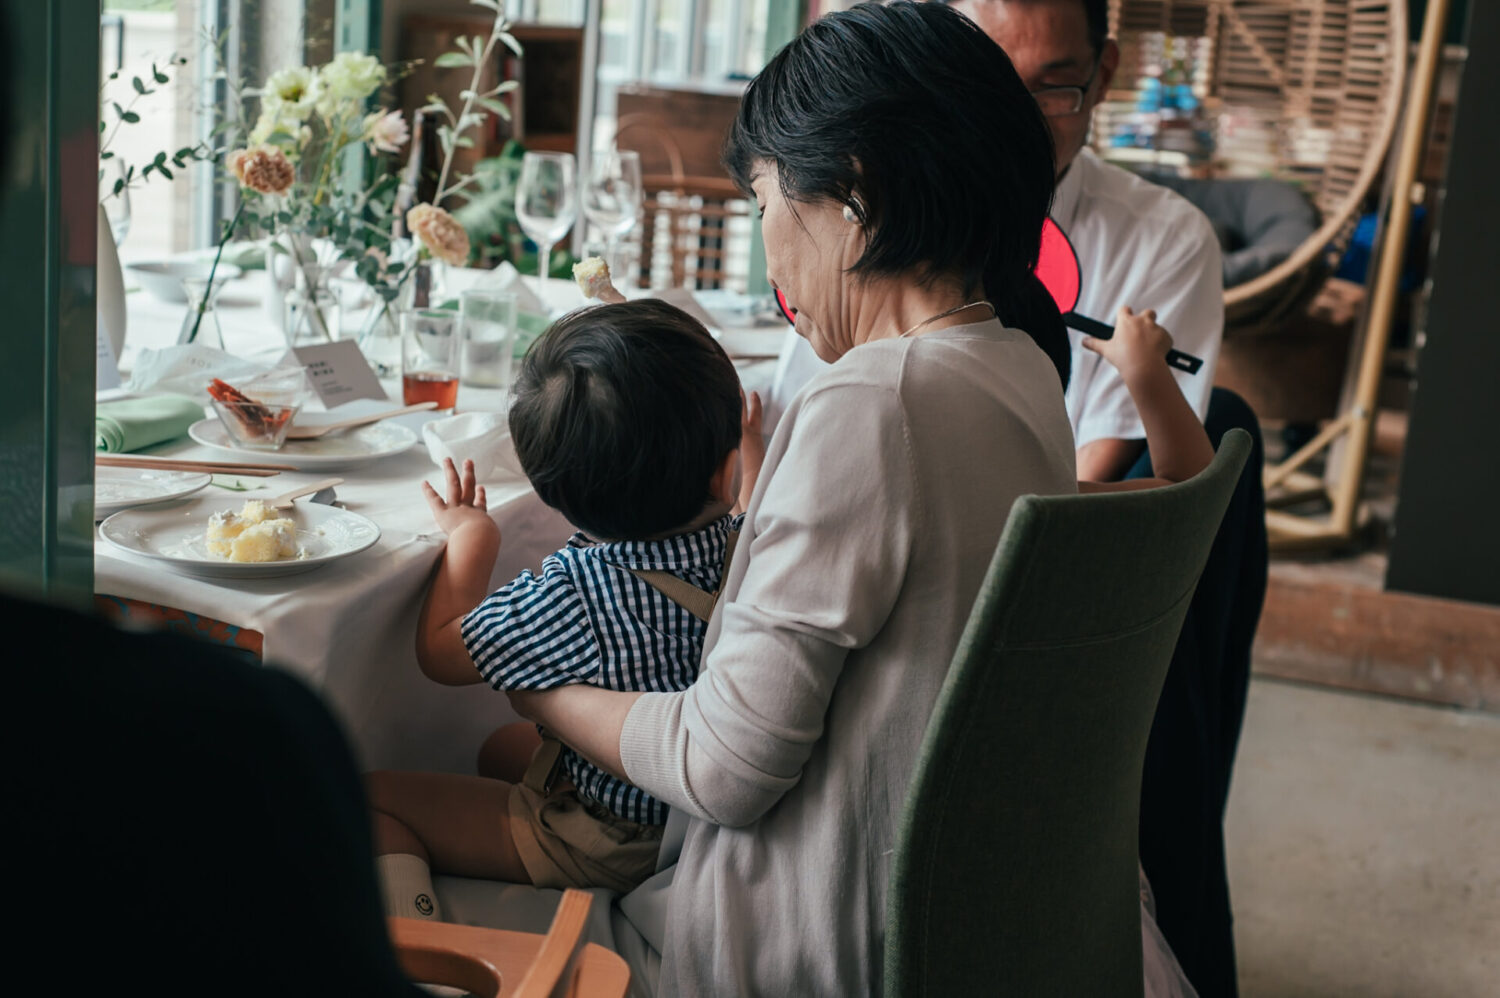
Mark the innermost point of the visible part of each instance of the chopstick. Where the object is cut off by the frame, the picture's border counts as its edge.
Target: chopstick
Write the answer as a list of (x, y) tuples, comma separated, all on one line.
[(211, 467)]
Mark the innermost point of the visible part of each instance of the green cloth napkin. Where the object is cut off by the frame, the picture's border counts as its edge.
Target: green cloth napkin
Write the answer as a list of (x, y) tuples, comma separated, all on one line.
[(130, 424)]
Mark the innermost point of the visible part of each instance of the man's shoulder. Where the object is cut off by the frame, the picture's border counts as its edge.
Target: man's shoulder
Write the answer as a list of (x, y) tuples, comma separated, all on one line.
[(1136, 210)]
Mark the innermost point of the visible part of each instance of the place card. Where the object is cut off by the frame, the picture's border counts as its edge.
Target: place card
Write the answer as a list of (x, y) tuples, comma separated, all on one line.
[(338, 372), (106, 365)]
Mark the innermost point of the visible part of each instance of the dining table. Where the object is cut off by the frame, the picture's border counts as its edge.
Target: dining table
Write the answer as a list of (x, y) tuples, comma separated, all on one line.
[(347, 628)]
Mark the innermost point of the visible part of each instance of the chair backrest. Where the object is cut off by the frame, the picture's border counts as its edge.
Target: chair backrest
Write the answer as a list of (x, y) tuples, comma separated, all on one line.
[(686, 233), (1015, 869)]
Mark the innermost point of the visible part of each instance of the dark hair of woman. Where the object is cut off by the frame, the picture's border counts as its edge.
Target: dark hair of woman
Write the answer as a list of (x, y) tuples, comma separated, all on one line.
[(912, 116), (620, 416)]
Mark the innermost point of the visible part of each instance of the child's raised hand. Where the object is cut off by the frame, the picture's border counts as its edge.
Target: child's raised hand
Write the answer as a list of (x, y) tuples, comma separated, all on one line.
[(465, 502), (1138, 344)]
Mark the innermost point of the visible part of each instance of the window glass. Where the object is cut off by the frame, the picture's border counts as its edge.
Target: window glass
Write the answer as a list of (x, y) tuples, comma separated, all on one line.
[(152, 217)]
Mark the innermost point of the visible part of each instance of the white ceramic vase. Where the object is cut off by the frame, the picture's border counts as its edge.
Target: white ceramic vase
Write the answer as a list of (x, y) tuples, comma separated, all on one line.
[(110, 286)]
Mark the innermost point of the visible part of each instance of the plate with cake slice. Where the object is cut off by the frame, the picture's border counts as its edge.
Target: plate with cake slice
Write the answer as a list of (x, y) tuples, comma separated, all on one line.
[(222, 538)]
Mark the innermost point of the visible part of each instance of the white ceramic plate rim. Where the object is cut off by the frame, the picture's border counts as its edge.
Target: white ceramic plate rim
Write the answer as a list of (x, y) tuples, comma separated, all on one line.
[(211, 433), (201, 509), (189, 482)]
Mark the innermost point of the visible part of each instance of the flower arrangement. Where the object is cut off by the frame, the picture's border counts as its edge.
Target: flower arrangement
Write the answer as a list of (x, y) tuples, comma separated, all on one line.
[(292, 180), (290, 174)]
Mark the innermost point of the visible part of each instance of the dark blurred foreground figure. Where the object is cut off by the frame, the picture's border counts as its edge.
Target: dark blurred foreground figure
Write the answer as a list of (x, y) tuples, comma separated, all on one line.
[(190, 823)]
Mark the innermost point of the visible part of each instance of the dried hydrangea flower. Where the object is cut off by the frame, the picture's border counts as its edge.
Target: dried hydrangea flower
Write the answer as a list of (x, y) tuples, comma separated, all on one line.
[(263, 168), (440, 232)]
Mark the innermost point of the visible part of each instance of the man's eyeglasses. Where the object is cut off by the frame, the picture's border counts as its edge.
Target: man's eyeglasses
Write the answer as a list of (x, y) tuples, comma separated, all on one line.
[(1058, 102)]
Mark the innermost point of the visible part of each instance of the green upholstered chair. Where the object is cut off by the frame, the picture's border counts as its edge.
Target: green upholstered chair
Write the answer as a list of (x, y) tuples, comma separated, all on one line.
[(1015, 865)]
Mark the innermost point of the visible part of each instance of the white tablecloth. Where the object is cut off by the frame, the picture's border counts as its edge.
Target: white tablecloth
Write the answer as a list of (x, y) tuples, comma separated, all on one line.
[(348, 628)]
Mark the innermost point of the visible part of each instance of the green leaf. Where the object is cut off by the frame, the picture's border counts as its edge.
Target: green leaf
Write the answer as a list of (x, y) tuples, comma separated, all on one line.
[(140, 88), (159, 158), (499, 107), (147, 171), (159, 76), (464, 142), (119, 186), (106, 155), (509, 41), (129, 116), (507, 87), (164, 171), (452, 60)]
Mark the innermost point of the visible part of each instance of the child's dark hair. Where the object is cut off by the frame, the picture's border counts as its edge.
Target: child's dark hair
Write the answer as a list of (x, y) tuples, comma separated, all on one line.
[(912, 117), (620, 416)]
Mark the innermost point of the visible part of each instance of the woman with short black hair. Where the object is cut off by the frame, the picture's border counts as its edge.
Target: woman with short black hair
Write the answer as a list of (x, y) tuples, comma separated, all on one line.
[(903, 173)]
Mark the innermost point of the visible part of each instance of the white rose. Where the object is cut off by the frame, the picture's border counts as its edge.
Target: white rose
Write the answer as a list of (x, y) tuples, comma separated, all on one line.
[(351, 76), (289, 94)]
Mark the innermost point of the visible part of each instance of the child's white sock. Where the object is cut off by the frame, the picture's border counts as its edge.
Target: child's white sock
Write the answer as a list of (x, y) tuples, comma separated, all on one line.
[(406, 882)]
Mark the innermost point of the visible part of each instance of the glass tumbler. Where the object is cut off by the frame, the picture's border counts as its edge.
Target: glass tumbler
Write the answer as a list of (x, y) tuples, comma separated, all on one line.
[(488, 320), (430, 357)]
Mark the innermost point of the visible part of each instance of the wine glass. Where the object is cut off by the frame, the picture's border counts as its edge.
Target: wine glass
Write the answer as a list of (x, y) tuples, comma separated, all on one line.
[(612, 196), (546, 204)]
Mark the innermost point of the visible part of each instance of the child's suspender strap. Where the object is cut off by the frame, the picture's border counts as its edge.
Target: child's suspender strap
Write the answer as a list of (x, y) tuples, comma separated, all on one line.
[(699, 602)]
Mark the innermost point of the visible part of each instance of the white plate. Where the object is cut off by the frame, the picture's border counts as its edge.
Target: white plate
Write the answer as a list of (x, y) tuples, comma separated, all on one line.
[(360, 445), (173, 535), (118, 488)]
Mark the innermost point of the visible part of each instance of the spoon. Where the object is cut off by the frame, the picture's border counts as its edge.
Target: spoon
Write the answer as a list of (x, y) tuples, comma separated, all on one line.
[(284, 501), (310, 432)]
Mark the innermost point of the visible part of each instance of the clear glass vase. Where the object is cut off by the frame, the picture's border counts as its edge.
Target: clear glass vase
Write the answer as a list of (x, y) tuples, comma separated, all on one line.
[(200, 324), (426, 285), (312, 317), (380, 338)]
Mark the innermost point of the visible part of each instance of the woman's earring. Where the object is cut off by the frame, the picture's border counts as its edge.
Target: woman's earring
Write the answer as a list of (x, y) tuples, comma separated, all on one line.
[(849, 215)]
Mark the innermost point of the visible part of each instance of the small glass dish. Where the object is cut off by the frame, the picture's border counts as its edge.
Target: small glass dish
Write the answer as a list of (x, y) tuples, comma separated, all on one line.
[(255, 425)]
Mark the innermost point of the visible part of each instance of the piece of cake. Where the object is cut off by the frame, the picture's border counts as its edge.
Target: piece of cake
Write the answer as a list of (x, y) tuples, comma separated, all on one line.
[(252, 534), (269, 540), (592, 275)]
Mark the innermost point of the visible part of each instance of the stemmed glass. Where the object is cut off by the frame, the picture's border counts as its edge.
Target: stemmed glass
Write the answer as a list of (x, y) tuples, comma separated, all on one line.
[(612, 196), (547, 204)]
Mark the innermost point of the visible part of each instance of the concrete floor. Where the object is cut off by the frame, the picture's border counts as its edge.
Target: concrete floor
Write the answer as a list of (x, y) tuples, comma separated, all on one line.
[(1364, 847)]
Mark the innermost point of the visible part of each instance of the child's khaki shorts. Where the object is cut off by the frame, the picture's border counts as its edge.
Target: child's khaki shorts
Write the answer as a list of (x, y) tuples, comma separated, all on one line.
[(566, 841)]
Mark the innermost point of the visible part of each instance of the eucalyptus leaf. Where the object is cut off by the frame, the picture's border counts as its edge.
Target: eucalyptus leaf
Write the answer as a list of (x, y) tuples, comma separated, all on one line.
[(453, 60)]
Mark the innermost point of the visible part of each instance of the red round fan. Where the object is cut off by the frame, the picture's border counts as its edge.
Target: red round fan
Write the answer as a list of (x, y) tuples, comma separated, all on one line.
[(1058, 268)]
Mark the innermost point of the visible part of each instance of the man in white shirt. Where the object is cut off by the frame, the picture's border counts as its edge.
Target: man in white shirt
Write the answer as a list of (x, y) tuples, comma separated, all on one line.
[(1142, 245)]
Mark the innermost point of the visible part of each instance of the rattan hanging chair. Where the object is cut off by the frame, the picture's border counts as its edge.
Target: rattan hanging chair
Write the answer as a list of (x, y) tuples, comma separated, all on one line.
[(1304, 91)]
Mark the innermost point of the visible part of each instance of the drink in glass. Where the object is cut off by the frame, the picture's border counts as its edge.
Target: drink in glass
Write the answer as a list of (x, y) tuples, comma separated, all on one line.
[(488, 321), (429, 357)]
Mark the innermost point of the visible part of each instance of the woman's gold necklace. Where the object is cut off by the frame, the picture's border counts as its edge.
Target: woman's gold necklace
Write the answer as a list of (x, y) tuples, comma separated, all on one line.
[(952, 311)]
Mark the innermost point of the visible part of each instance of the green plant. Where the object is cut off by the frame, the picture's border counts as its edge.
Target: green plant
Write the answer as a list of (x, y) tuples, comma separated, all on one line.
[(125, 114)]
